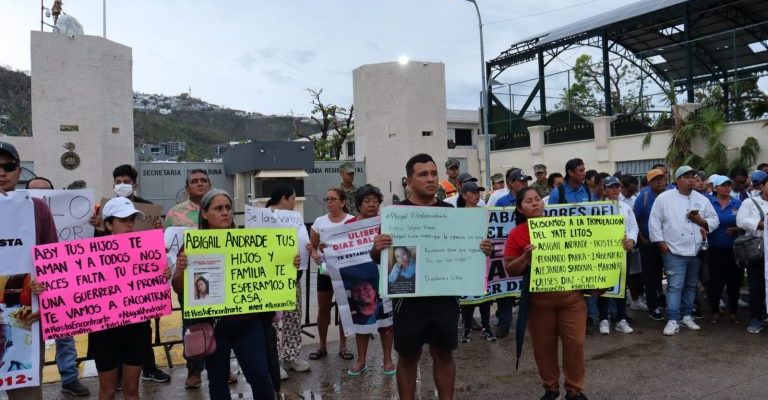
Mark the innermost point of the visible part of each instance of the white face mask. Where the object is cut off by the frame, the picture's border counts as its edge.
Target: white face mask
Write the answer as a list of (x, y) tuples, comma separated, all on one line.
[(123, 189)]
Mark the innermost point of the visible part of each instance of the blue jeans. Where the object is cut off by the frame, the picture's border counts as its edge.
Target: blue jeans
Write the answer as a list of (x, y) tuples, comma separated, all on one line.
[(505, 306), (246, 337), (66, 359), (682, 284), (592, 310)]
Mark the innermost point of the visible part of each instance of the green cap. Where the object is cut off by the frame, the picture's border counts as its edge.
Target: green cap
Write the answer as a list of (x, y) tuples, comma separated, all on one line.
[(347, 167)]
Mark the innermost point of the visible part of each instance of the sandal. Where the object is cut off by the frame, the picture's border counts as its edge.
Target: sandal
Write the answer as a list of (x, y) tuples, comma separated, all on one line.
[(346, 355), (316, 355), (390, 372), (358, 372)]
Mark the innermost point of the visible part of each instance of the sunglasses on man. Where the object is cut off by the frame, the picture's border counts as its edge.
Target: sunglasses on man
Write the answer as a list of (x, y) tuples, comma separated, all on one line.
[(9, 166)]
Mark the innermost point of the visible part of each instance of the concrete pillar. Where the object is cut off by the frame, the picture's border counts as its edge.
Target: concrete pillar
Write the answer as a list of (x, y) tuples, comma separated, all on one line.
[(537, 138)]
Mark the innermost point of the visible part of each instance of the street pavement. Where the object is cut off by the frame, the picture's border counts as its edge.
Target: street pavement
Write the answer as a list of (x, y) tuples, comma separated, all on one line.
[(719, 362)]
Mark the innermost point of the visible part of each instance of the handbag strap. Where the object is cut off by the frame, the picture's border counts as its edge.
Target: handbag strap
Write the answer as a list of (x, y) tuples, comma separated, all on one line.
[(762, 215)]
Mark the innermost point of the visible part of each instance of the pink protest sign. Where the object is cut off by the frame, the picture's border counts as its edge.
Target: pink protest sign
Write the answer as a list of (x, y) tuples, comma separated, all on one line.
[(101, 283)]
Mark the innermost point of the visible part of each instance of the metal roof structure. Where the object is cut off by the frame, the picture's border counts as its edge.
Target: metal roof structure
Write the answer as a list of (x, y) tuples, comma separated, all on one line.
[(685, 42)]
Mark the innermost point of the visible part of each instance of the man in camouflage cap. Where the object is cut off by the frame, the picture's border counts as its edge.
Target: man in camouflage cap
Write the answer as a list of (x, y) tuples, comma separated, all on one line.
[(449, 187), (347, 172), (540, 170)]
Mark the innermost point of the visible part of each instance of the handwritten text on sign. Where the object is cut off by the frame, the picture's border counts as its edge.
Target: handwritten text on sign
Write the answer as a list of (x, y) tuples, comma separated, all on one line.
[(446, 241), (576, 253), (239, 271), (101, 283)]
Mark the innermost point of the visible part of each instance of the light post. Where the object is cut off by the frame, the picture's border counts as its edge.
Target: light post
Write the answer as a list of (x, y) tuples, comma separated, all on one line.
[(484, 98)]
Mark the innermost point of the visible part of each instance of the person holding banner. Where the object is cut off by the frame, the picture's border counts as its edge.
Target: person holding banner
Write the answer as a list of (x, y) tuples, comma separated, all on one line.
[(335, 203), (553, 315), (424, 320), (245, 334), (45, 232), (289, 341), (470, 197), (126, 344), (612, 191), (66, 352), (368, 198)]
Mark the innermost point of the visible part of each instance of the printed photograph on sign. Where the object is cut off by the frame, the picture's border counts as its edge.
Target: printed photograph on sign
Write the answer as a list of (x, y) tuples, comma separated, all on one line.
[(363, 295), (402, 269), (207, 274), (15, 331)]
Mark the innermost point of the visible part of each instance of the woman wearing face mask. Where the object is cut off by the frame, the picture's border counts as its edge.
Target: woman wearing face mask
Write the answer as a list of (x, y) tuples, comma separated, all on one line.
[(552, 316), (368, 199), (127, 344), (244, 334), (469, 198)]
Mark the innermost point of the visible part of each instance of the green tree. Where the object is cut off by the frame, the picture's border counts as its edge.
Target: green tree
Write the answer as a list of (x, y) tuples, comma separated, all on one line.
[(585, 95), (707, 125), (335, 123), (746, 99)]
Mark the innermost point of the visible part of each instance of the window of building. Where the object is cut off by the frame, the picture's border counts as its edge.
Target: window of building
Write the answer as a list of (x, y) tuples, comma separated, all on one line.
[(463, 137), (350, 149), (115, 130), (426, 133), (69, 128)]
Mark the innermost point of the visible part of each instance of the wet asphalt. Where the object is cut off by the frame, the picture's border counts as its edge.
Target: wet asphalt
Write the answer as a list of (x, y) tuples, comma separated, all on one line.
[(718, 362)]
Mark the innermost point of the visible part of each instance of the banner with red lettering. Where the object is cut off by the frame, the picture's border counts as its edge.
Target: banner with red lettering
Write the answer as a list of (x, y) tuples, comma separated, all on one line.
[(97, 284), (19, 330)]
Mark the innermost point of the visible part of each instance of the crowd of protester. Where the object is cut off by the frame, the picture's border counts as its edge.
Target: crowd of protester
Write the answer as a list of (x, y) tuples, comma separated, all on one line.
[(677, 223)]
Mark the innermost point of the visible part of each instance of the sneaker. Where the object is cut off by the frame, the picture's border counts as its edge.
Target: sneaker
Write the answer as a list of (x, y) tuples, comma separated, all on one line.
[(575, 396), (672, 328), (689, 323), (467, 336), (488, 335), (298, 365), (656, 314), (550, 395), (605, 327), (154, 374), (502, 332), (638, 305), (755, 326), (283, 374), (193, 380), (696, 314), (75, 388), (743, 304), (623, 327)]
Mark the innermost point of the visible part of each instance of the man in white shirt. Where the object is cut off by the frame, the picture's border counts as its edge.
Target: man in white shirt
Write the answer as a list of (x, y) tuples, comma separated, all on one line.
[(679, 220)]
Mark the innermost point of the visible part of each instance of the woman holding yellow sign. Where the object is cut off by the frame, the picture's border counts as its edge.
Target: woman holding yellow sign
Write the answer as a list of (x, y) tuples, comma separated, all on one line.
[(244, 334), (553, 315)]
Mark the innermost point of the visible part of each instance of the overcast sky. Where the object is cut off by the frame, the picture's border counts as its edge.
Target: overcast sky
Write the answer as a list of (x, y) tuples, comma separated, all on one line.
[(261, 55)]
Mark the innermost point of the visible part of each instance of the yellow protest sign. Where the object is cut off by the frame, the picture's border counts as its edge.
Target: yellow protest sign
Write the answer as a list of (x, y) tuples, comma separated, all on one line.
[(239, 271), (577, 253)]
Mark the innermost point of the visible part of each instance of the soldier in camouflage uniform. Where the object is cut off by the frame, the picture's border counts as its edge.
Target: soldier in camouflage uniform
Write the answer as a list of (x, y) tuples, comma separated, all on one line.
[(449, 187), (347, 172)]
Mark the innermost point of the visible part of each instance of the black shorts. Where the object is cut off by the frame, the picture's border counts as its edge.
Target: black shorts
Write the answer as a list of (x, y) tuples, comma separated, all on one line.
[(430, 320), (324, 283), (127, 345)]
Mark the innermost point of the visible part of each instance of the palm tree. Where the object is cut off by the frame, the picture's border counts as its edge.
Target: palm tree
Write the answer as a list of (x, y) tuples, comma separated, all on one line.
[(707, 124)]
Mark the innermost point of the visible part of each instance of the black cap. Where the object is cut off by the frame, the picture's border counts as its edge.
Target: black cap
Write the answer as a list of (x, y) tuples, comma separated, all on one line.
[(466, 177), (471, 187), (518, 175), (6, 147)]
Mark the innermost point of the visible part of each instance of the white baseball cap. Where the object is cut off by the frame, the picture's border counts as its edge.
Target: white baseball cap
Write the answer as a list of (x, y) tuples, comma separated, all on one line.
[(119, 207)]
